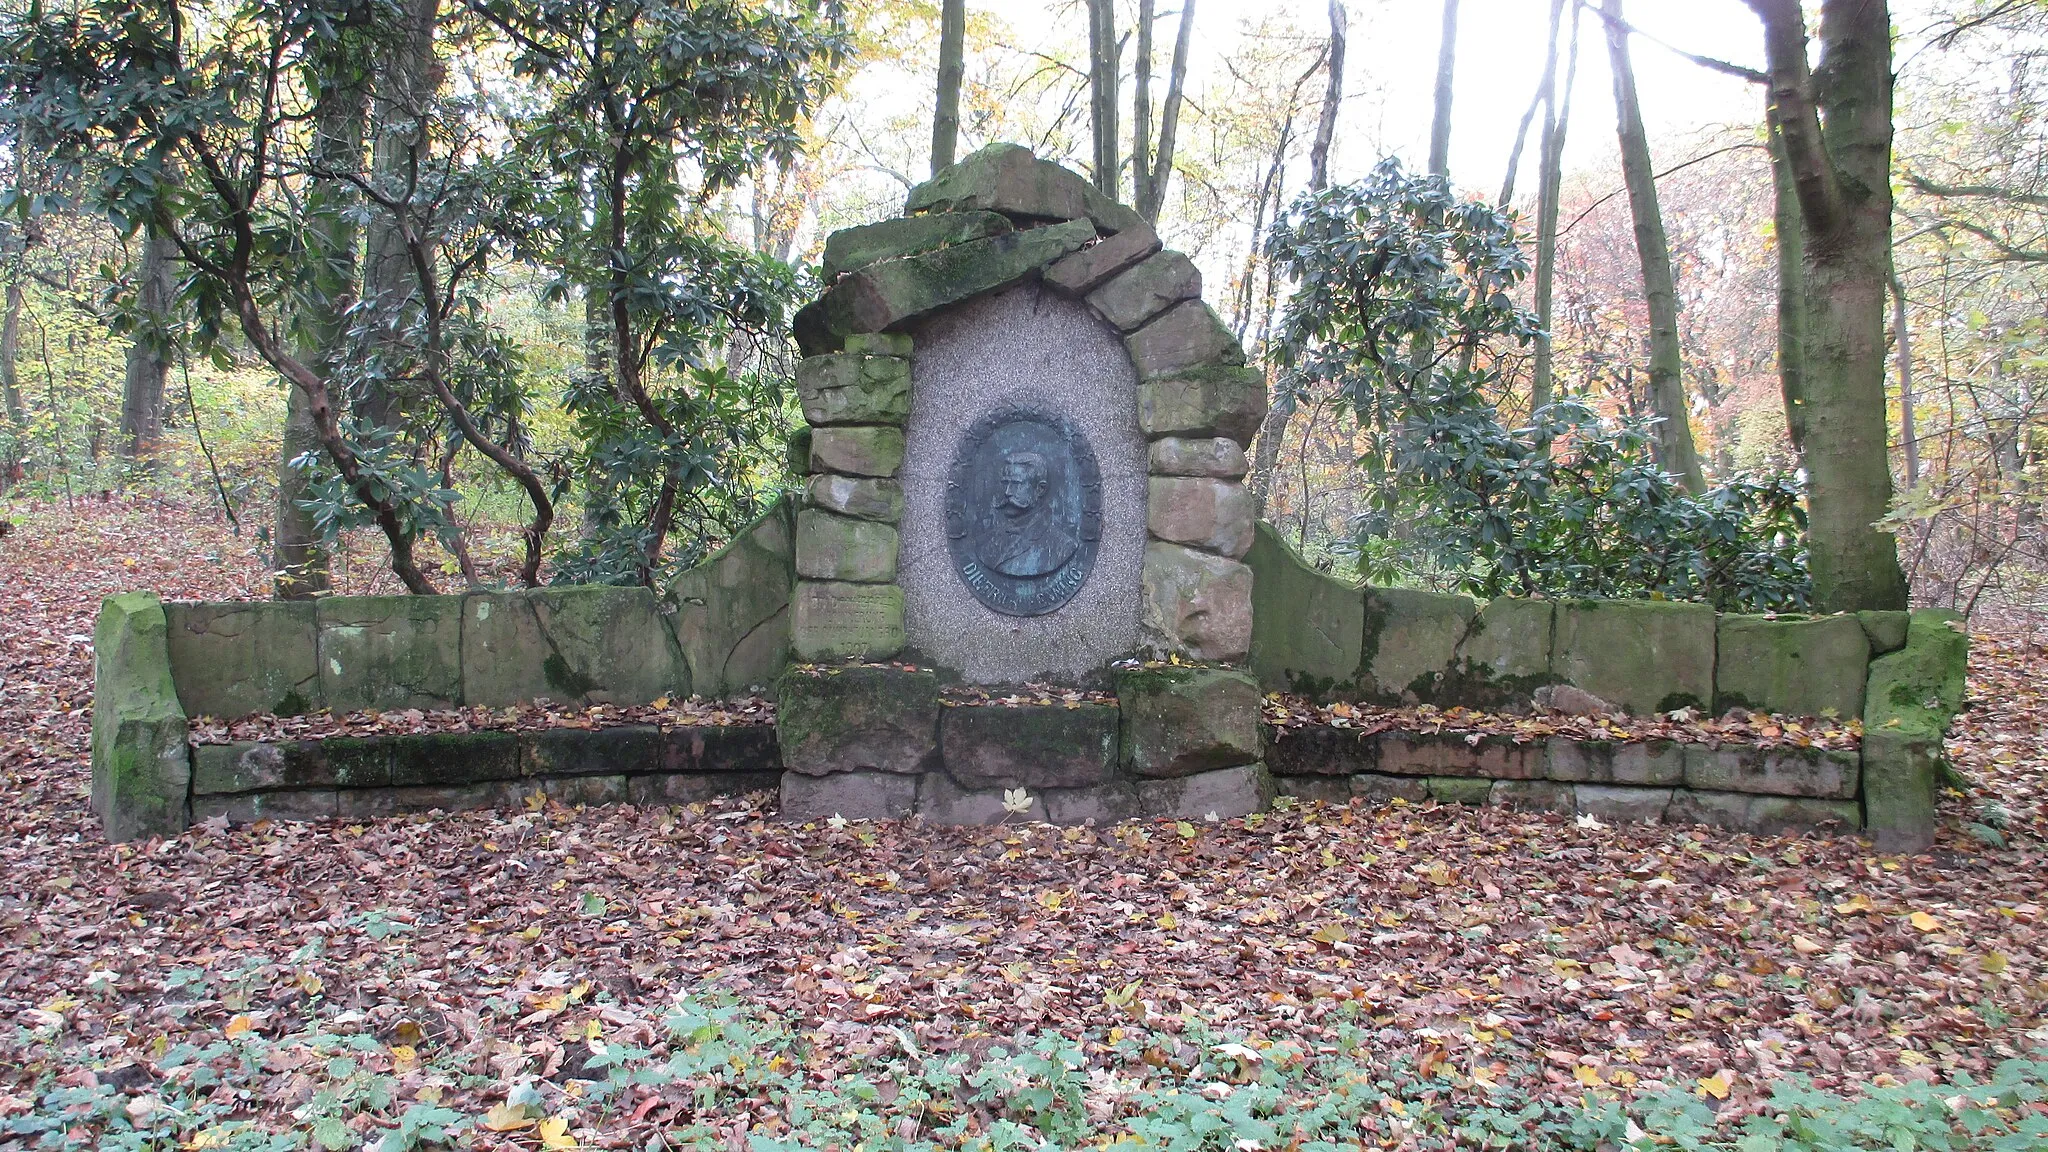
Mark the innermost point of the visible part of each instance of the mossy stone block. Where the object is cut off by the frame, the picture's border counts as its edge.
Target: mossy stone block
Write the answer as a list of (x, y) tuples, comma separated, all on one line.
[(1886, 630), (1180, 721), (1915, 691), (1471, 790), (390, 652), (1504, 655), (732, 612), (857, 451), (853, 388), (850, 795), (1221, 794), (577, 645), (737, 748), (864, 498), (1004, 178), (897, 344), (834, 620), (239, 659), (1203, 399), (1029, 745), (624, 750), (1648, 763), (1763, 815), (1320, 750), (1810, 667), (851, 249), (219, 769), (442, 758), (1083, 271), (891, 293), (1643, 656), (1901, 781), (1534, 796), (1411, 637), (1816, 772), (141, 763), (830, 547), (858, 719), (1144, 290), (1186, 336), (1307, 627)]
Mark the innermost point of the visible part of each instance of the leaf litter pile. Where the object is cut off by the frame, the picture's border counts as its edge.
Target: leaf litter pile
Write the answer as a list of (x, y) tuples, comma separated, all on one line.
[(484, 963)]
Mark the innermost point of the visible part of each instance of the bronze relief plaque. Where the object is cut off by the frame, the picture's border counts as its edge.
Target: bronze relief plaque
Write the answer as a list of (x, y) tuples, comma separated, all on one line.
[(1024, 511)]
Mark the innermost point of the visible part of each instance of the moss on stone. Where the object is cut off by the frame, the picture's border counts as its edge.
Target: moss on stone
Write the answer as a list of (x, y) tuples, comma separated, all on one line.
[(1306, 626), (141, 763), (863, 718)]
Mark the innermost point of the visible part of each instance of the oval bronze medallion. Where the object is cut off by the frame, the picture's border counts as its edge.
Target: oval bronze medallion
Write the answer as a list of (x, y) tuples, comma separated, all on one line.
[(1024, 511)]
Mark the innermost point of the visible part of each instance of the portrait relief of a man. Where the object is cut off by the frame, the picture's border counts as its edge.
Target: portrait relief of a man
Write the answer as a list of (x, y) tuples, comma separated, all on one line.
[(1026, 536)]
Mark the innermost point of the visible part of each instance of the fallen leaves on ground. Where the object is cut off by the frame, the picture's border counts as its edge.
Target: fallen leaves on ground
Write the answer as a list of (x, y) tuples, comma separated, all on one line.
[(1476, 943), (1684, 726), (663, 713)]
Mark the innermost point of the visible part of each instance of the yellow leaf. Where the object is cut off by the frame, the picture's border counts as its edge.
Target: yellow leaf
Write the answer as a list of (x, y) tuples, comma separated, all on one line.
[(1331, 933), (1167, 921), (1991, 963), (554, 1133), (214, 1137), (1718, 1084), (1854, 904), (1051, 899), (1805, 946), (1923, 922), (1588, 1075), (530, 932), (404, 1054), (239, 1025), (507, 1118), (1723, 980), (309, 983), (1329, 858), (659, 703), (1682, 1013)]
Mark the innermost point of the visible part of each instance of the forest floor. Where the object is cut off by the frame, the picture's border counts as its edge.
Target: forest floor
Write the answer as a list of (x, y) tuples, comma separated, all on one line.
[(461, 957)]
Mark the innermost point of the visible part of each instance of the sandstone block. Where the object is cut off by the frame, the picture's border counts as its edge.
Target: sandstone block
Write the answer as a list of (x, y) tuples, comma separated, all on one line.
[(1809, 667), (853, 388), (249, 807), (1224, 794), (621, 751), (1410, 638), (732, 614), (1774, 771), (892, 293), (851, 249), (577, 645), (1331, 790), (1764, 815), (1082, 272), (1901, 783), (1886, 630), (864, 498), (238, 659), (696, 787), (225, 769), (1307, 627), (852, 795), (1213, 515), (1917, 690), (382, 803), (1376, 789), (837, 621), (1621, 804), (943, 801), (1503, 657), (869, 451), (1102, 804), (1203, 400), (1147, 288), (141, 765), (1216, 456), (390, 652), (832, 547), (1036, 746), (583, 791), (1645, 656), (1651, 763), (1004, 178), (1318, 750), (859, 719), (1181, 721), (1194, 603), (1534, 796), (898, 344), (1448, 754), (1460, 790), (1187, 335)]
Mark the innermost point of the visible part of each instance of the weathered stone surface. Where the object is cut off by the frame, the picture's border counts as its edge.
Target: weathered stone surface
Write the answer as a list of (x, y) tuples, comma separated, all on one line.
[(853, 388), (1534, 796), (1196, 604), (1004, 178), (249, 807), (618, 751), (1103, 804), (1110, 218), (899, 344), (1036, 746), (1036, 349), (377, 803), (836, 621), (696, 787), (1213, 515), (1653, 763), (1180, 721), (583, 791), (390, 652), (1144, 290), (860, 719), (1503, 657), (1448, 754), (895, 292), (1774, 771), (237, 659), (219, 769), (1918, 689), (1216, 456), (1320, 750), (1901, 782), (1332, 790), (796, 451), (1764, 815), (141, 767), (439, 758), (732, 614), (869, 451), (880, 500), (1376, 789), (1187, 335), (943, 801), (1211, 399), (852, 795), (1645, 656), (1568, 700), (1622, 804), (832, 547), (851, 249), (1409, 639), (1473, 790), (1224, 794), (1886, 630), (579, 645), (740, 748), (1813, 667), (1307, 627), (1082, 272)]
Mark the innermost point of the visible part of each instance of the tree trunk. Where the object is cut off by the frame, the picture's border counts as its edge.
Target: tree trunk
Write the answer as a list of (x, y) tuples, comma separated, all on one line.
[(1169, 119), (1141, 106), (1446, 67), (952, 67), (1841, 174), (1909, 438), (1790, 236), (1102, 77), (149, 357), (1333, 98), (1546, 91), (10, 351), (320, 323), (1550, 180), (1675, 450), (405, 83)]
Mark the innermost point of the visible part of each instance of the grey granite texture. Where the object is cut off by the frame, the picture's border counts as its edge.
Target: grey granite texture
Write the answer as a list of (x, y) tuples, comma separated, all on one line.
[(1025, 347)]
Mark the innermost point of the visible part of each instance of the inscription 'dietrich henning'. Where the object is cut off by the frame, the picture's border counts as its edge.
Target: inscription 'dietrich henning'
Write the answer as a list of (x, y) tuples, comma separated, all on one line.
[(1024, 511)]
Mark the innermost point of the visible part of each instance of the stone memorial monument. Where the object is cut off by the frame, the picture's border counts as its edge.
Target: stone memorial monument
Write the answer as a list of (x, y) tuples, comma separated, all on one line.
[(1026, 464)]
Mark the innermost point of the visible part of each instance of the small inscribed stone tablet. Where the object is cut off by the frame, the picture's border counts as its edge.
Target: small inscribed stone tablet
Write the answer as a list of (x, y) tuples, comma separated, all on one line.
[(1023, 511)]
